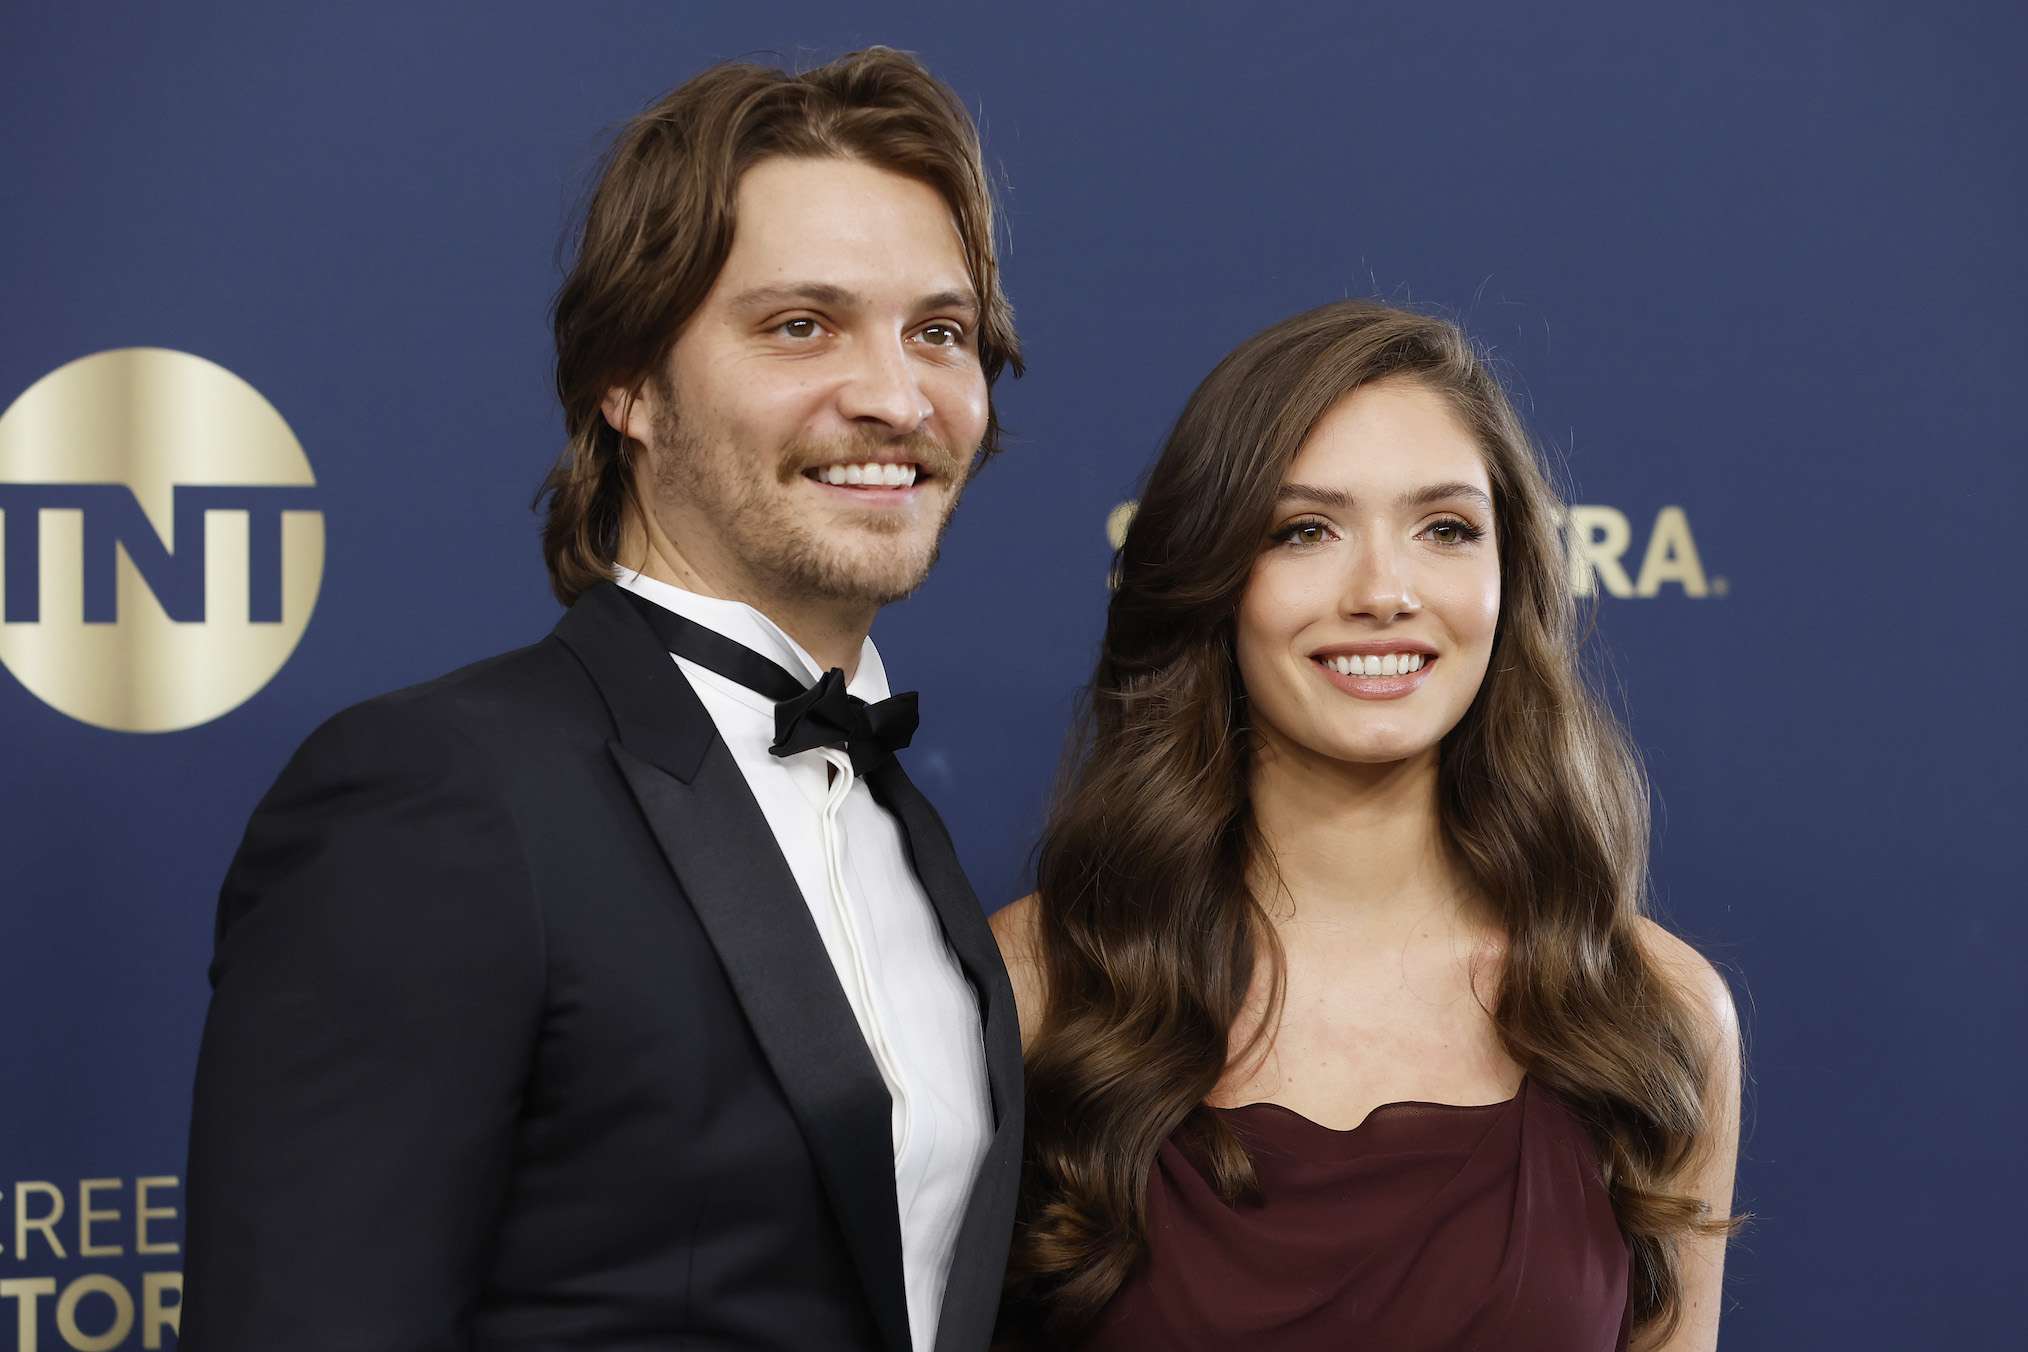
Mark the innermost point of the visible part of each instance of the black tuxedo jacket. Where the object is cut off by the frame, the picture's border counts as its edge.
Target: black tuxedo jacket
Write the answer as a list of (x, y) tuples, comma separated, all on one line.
[(522, 1036)]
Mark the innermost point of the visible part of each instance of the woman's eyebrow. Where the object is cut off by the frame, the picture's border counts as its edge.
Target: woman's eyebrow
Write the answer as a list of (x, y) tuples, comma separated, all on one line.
[(1316, 496), (1451, 492)]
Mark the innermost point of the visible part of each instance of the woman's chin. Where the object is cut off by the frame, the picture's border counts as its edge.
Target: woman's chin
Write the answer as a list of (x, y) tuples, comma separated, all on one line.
[(1384, 757), (1376, 752)]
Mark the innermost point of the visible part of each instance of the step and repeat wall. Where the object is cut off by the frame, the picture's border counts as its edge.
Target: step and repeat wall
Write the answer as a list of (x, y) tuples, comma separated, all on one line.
[(275, 379)]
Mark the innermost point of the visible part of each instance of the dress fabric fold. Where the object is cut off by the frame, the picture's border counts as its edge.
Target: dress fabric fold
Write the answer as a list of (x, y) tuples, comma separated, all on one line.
[(1427, 1226)]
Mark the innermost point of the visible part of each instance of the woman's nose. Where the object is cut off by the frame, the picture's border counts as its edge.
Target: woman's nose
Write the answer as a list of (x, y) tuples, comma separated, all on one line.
[(1377, 585)]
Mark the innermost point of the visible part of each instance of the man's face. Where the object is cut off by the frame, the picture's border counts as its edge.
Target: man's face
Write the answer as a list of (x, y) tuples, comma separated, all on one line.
[(814, 424)]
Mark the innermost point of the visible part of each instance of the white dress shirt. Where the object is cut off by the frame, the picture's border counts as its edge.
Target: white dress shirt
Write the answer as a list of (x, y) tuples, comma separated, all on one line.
[(915, 1008)]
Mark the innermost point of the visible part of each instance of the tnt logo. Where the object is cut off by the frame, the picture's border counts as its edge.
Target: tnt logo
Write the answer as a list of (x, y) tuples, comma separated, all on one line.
[(160, 550)]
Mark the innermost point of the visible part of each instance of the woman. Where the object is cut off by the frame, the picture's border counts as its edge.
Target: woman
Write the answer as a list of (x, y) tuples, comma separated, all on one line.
[(1343, 1023)]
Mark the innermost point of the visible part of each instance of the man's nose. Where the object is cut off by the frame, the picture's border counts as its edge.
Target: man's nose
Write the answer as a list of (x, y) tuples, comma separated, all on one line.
[(882, 388)]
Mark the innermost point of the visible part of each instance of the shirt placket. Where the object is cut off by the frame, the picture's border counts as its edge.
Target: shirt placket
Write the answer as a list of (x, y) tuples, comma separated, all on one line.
[(870, 1024)]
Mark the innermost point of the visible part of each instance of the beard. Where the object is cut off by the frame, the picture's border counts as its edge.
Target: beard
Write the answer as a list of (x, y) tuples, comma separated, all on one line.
[(871, 556)]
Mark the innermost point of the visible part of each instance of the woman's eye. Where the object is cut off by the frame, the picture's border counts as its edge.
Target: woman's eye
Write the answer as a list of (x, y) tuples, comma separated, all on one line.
[(1454, 532), (1302, 533)]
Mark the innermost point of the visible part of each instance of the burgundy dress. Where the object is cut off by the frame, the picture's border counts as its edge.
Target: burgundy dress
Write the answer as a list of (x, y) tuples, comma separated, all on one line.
[(1427, 1226)]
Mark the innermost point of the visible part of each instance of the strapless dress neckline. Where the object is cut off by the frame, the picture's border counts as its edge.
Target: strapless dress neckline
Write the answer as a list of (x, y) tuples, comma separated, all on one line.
[(1372, 1114), (1426, 1227)]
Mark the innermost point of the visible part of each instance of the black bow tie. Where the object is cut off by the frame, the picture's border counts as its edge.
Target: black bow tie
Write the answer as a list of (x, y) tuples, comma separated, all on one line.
[(825, 714)]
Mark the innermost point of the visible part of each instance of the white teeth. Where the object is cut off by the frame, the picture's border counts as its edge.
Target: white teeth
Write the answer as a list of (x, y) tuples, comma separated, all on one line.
[(1393, 664), (869, 475)]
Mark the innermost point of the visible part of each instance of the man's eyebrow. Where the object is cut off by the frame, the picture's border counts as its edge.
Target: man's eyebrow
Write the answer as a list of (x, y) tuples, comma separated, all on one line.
[(795, 293), (963, 301), (840, 298), (1421, 497)]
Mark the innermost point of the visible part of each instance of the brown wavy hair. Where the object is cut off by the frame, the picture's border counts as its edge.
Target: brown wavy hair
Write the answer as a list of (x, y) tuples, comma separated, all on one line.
[(659, 226), (1148, 936)]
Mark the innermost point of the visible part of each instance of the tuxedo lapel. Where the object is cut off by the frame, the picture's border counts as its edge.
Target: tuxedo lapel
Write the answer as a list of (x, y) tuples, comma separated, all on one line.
[(979, 1261), (732, 873)]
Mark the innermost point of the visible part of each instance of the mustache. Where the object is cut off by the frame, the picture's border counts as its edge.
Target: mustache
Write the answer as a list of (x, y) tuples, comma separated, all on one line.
[(934, 458)]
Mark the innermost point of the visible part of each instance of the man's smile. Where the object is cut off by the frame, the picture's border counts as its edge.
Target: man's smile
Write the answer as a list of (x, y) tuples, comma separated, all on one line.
[(867, 474)]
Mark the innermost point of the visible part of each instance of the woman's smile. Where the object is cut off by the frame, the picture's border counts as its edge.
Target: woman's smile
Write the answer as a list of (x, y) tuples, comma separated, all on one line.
[(1393, 675)]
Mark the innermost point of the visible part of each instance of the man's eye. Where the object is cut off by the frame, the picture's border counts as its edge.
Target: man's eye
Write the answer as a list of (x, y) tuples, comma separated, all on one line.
[(797, 328), (943, 335)]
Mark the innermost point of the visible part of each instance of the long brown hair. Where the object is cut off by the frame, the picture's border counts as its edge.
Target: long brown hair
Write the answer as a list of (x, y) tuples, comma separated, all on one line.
[(660, 224), (1148, 936)]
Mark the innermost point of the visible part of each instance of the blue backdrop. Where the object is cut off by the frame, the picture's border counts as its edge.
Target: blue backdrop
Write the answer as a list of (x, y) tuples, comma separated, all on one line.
[(1758, 263)]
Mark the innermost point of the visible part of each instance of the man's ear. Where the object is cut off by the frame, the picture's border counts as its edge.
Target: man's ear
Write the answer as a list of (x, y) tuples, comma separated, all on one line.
[(629, 411)]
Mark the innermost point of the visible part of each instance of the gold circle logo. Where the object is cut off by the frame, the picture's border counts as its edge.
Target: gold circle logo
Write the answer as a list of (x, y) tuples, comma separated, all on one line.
[(160, 550)]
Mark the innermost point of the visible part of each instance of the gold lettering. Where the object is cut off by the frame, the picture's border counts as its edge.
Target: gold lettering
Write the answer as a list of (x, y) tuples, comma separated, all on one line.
[(26, 1290), (1672, 557), (123, 1313), (143, 1213), (23, 1222), (1597, 536), (1118, 520), (86, 1215), (155, 1316)]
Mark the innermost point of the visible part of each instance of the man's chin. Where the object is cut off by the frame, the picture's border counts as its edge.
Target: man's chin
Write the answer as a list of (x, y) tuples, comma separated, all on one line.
[(882, 585), (876, 572)]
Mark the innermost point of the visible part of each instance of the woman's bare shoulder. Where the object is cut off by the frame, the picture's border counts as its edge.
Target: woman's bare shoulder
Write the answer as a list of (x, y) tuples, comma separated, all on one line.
[(1700, 984), (1708, 1174), (1014, 929)]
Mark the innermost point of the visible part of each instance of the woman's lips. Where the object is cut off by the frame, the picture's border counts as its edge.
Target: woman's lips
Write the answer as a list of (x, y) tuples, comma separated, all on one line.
[(1375, 687)]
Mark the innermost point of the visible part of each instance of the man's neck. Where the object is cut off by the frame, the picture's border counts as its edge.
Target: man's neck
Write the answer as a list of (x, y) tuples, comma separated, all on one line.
[(832, 632)]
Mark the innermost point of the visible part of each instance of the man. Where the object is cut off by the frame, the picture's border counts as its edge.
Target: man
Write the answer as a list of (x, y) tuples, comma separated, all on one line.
[(620, 992)]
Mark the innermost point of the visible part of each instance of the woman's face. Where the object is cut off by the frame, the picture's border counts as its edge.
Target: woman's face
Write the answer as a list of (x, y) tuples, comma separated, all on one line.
[(1365, 629)]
